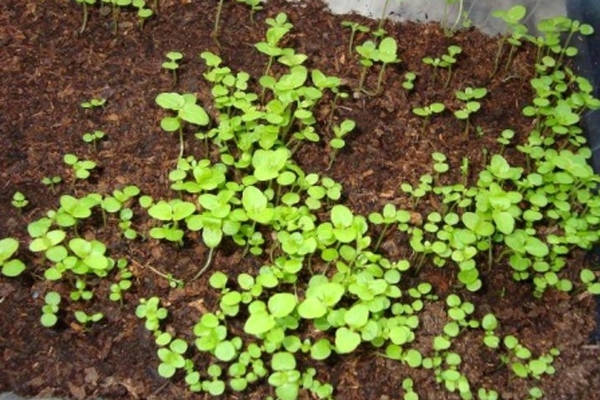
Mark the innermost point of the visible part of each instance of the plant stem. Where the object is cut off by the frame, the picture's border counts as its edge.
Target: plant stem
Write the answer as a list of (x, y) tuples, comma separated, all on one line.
[(206, 264), (215, 31)]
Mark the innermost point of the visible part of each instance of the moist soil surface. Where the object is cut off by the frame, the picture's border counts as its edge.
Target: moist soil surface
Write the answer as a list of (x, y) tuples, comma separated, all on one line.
[(48, 69)]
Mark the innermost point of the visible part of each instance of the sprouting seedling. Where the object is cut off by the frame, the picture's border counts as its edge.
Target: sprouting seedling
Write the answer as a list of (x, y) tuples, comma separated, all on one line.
[(511, 17), (10, 267), (388, 49), (19, 201), (143, 12), (427, 111), (279, 27), (81, 168), (93, 103), (409, 81), (355, 28), (505, 138), (187, 110), (50, 309), (84, 4), (172, 64), (85, 319), (51, 182), (445, 61), (93, 137), (338, 141), (368, 55), (470, 97)]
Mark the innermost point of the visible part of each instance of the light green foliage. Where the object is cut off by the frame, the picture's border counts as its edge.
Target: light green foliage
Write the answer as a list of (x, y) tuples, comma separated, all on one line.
[(93, 137), (10, 267), (446, 61), (151, 312), (355, 28), (19, 201), (95, 102), (172, 64), (50, 309)]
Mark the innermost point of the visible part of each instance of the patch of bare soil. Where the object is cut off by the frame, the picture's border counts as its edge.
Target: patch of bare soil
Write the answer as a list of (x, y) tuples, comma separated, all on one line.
[(48, 69)]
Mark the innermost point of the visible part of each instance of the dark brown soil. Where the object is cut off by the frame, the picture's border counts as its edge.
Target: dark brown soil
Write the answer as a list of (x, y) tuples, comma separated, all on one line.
[(48, 69)]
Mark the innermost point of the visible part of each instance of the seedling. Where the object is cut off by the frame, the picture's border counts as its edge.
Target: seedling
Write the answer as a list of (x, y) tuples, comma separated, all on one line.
[(151, 311), (10, 267), (409, 81), (51, 182), (187, 110), (445, 61), (427, 111), (93, 137), (84, 319), (338, 142), (355, 28), (19, 201), (511, 17), (50, 309), (93, 103), (172, 64), (255, 5), (386, 53), (470, 97), (143, 12), (81, 168)]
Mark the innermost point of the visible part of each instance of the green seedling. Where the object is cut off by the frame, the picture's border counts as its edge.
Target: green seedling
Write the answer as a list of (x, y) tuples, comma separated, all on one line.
[(426, 112), (85, 319), (355, 28), (50, 309), (143, 12), (19, 201), (93, 137), (80, 292), (513, 33), (445, 61), (171, 357), (51, 182), (81, 168), (150, 310), (506, 136), (187, 110), (409, 81), (370, 53), (470, 97), (338, 142), (279, 27), (84, 7), (172, 64), (10, 267), (93, 103), (124, 283)]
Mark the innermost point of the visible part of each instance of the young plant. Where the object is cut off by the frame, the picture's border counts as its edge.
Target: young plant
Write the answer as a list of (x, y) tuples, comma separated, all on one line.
[(143, 12), (19, 201), (172, 64), (85, 319), (337, 143), (355, 28), (151, 312), (50, 309), (409, 81), (187, 110), (445, 61), (427, 111), (93, 137), (81, 168), (469, 96), (370, 53), (8, 267), (93, 103), (513, 33), (51, 182)]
